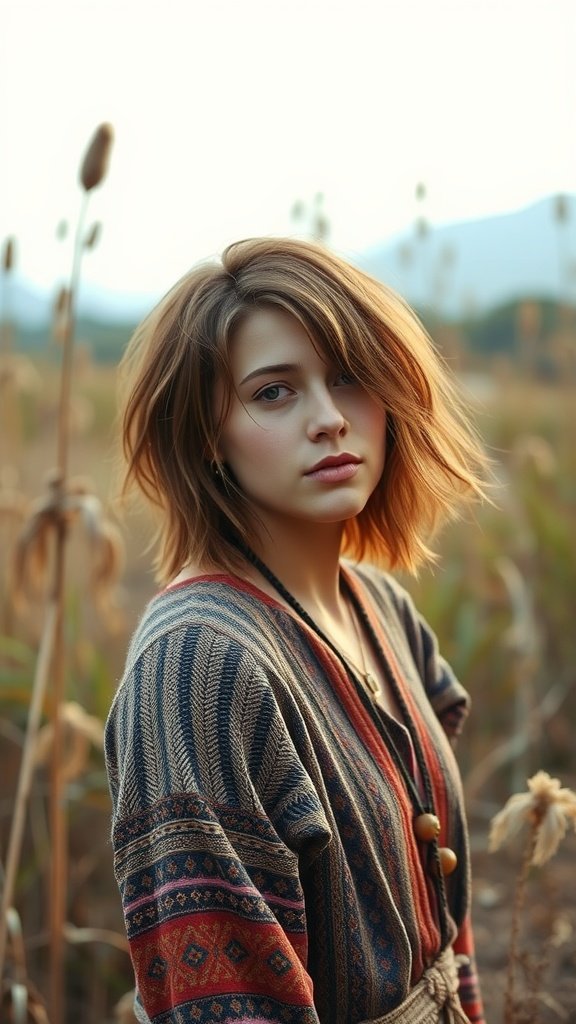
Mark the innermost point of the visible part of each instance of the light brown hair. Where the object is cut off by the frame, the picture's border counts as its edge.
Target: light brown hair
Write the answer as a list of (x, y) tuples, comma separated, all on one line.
[(171, 429)]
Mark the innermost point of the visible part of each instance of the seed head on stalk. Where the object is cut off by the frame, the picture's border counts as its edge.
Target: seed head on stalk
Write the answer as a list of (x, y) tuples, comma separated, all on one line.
[(95, 163), (47, 530), (93, 235), (62, 304), (8, 255), (547, 808), (31, 558), (92, 172), (543, 814), (61, 314), (8, 259), (80, 732)]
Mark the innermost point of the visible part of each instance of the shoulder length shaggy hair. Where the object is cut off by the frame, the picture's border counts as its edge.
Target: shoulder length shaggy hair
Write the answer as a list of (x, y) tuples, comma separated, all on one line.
[(171, 429)]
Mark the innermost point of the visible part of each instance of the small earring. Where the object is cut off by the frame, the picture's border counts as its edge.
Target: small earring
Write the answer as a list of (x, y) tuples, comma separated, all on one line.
[(214, 468)]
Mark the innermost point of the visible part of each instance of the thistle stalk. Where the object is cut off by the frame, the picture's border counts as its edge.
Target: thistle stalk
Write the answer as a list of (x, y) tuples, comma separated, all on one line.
[(544, 811), (92, 171), (517, 907), (39, 685), (57, 813), (68, 348), (51, 655)]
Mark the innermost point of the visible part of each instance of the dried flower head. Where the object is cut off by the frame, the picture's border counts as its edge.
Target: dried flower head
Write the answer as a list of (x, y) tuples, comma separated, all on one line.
[(107, 559), (62, 314), (8, 255), (32, 552), (93, 235), (95, 163), (547, 808), (63, 301), (80, 732)]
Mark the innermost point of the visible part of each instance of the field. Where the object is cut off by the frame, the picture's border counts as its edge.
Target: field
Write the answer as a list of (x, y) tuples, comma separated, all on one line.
[(502, 601)]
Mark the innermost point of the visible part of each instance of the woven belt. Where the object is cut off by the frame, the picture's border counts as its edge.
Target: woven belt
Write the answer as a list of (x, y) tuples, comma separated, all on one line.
[(434, 999)]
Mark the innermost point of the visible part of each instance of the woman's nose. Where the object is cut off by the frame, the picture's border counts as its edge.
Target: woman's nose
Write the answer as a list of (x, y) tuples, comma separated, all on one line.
[(325, 417)]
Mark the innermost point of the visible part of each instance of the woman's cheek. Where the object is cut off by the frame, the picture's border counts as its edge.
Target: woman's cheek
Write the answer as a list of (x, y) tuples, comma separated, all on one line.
[(250, 443)]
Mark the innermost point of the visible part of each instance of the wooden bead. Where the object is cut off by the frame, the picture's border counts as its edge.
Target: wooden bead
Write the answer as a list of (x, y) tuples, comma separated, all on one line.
[(448, 860), (426, 827)]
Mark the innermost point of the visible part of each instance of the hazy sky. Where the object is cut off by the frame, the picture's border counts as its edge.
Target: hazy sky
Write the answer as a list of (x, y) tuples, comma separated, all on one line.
[(227, 111)]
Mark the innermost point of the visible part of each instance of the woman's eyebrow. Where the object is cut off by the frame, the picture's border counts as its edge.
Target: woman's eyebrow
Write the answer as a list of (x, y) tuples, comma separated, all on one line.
[(272, 368)]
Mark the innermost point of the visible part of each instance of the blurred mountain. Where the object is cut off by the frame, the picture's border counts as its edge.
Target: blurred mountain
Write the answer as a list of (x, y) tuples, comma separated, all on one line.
[(473, 266), (468, 272), (31, 307), (104, 320), (27, 305)]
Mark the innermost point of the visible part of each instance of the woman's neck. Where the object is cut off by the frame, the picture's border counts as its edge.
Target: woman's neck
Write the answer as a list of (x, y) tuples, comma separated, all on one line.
[(308, 565)]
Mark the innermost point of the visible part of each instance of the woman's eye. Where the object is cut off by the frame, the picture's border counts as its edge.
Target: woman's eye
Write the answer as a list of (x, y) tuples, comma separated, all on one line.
[(272, 393), (343, 377)]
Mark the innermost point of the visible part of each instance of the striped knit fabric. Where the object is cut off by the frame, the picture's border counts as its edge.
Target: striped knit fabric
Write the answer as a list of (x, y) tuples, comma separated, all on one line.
[(263, 842)]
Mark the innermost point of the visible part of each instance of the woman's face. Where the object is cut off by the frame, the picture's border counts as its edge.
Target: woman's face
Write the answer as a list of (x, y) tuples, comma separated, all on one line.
[(303, 440)]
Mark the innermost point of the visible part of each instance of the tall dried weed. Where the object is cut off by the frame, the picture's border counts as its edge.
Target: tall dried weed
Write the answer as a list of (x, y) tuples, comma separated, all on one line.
[(40, 562), (540, 817)]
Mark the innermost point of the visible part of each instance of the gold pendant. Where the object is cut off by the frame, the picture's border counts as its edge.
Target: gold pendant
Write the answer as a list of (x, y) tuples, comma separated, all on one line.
[(372, 683)]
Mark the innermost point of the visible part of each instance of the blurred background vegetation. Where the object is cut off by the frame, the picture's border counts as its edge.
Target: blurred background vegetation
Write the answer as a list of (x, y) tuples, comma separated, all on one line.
[(501, 598)]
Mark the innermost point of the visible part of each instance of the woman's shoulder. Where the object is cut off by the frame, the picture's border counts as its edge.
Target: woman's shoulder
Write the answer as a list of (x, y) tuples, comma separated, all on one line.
[(395, 607), (382, 586), (207, 599), (204, 609), (406, 625), (199, 636)]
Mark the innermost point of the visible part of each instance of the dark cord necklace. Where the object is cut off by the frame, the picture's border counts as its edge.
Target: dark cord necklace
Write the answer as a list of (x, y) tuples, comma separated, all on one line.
[(440, 860)]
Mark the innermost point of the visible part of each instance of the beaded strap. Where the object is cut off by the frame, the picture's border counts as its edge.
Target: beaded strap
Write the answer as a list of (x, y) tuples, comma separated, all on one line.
[(377, 717)]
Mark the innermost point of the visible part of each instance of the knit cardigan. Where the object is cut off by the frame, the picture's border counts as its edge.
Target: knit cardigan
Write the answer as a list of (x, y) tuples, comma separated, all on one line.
[(263, 841)]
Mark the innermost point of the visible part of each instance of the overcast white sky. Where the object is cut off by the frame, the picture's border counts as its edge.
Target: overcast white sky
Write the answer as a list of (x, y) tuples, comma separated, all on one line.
[(226, 112)]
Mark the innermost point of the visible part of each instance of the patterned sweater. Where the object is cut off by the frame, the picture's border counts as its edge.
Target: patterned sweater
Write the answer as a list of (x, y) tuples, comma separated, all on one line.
[(263, 841)]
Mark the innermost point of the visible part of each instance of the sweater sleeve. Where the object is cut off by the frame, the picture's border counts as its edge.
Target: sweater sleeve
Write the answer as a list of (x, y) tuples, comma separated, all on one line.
[(213, 811), (446, 694)]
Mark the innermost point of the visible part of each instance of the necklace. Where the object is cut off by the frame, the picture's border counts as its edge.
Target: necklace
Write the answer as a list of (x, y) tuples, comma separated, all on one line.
[(442, 861), (368, 677), (364, 673)]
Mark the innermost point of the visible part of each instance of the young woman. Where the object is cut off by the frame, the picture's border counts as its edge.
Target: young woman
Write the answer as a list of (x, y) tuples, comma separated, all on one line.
[(289, 836)]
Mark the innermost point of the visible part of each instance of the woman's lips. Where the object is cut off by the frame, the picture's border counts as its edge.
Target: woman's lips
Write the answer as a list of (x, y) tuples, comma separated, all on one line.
[(334, 473)]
